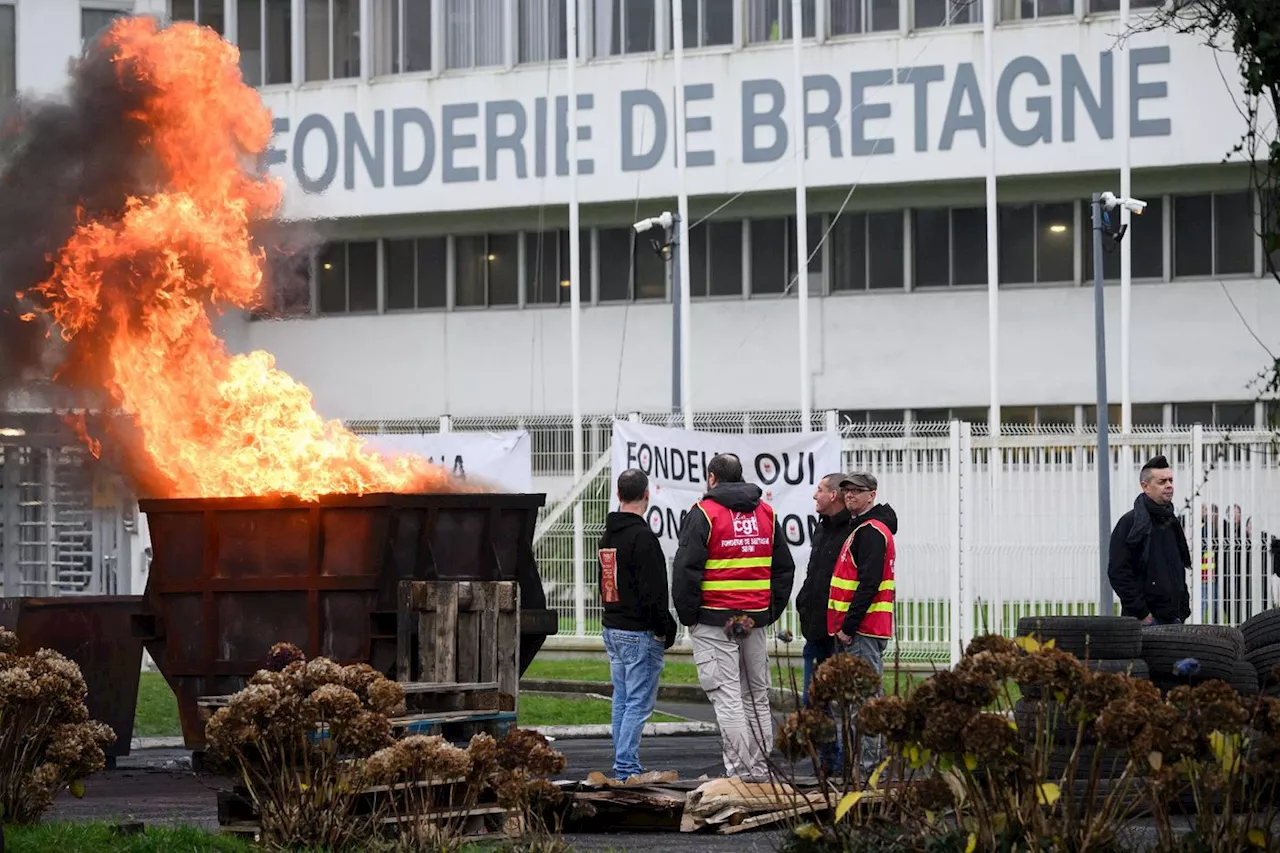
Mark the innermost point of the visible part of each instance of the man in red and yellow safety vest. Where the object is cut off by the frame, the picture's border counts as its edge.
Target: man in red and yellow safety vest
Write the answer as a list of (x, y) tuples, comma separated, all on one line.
[(731, 579), (860, 606)]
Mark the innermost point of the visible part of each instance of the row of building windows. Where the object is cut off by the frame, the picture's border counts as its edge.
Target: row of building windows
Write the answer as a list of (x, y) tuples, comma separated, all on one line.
[(1047, 243), (433, 35), (1065, 418)]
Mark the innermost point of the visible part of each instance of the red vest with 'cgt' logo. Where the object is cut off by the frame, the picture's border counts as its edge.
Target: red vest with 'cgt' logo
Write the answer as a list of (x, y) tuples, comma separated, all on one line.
[(844, 583), (738, 571)]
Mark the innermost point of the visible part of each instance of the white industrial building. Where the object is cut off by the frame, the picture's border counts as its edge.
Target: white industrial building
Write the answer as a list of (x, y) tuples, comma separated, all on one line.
[(430, 136)]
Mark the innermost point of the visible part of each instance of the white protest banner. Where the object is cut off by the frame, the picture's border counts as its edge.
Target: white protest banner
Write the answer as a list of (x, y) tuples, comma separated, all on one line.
[(786, 466), (502, 458)]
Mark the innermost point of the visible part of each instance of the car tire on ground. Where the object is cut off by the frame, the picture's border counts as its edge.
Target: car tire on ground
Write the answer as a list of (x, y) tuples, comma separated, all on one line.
[(1244, 678), (1091, 637), (1262, 629), (1264, 660), (1163, 648), (1065, 730), (1224, 632)]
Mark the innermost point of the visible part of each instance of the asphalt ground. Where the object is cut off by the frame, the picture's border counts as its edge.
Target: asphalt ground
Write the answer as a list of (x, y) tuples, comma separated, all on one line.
[(157, 786)]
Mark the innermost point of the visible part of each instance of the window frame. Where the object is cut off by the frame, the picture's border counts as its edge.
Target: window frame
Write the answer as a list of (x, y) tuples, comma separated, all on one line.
[(358, 7), (199, 5), (265, 49), (660, 11), (13, 54), (1171, 202), (865, 13), (1075, 14), (118, 8), (1077, 262), (379, 299), (735, 32), (487, 305), (384, 283), (784, 21), (515, 8), (377, 48), (973, 7), (441, 39)]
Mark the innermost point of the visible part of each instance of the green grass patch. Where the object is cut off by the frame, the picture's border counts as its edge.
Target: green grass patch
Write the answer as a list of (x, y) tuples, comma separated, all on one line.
[(103, 838), (157, 714), (543, 710)]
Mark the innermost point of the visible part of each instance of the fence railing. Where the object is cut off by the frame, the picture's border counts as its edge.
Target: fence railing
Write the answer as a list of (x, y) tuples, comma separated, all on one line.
[(991, 528)]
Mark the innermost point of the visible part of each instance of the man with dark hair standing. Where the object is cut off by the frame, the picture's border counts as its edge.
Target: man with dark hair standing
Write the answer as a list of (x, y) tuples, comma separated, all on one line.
[(638, 627), (1149, 557), (835, 523), (732, 579)]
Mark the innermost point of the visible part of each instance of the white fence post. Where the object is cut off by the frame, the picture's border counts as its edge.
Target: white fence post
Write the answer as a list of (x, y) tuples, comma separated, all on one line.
[(1197, 525), (955, 489), (446, 424)]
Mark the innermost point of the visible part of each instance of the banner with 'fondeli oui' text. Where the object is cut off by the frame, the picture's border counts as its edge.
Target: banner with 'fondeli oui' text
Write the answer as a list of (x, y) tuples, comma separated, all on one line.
[(786, 466)]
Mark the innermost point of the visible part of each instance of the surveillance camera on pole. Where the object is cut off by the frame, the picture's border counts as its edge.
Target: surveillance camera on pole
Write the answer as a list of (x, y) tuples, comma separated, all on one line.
[(1102, 205), (664, 237), (660, 239)]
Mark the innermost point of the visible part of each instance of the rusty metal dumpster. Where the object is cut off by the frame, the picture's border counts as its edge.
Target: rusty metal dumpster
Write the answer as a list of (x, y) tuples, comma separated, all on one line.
[(96, 633), (232, 576)]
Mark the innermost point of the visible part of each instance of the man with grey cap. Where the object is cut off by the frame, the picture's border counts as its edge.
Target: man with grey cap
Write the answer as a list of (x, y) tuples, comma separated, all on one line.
[(860, 610)]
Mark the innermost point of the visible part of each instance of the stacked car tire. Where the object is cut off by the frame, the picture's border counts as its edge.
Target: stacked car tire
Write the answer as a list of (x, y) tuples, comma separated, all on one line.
[(1261, 635), (1193, 654), (1103, 644)]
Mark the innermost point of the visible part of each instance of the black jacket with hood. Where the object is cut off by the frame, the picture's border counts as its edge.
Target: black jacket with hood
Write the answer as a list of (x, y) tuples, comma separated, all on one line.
[(641, 578), (1148, 562), (868, 550), (811, 603), (691, 558)]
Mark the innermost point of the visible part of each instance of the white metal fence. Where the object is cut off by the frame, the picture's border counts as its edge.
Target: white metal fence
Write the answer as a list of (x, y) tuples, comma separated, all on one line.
[(991, 528)]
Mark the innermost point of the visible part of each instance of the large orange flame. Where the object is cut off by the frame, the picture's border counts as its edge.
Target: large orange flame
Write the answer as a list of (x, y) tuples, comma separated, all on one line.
[(132, 293)]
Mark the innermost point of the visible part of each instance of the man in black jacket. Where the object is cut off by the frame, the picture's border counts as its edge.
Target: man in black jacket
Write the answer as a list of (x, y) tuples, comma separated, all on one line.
[(1149, 557), (638, 627), (732, 579)]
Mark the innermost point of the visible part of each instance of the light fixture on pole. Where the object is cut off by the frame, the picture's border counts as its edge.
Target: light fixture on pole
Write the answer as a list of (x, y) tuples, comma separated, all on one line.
[(1103, 204), (664, 237)]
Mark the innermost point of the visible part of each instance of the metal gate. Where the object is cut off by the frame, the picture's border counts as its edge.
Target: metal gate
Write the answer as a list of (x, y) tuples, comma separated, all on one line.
[(65, 529)]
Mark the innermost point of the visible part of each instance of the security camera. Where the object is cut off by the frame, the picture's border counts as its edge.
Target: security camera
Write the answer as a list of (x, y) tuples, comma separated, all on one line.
[(1133, 205), (664, 222)]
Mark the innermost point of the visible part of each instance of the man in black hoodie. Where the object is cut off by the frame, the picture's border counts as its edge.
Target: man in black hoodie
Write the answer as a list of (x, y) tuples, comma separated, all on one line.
[(731, 579), (1149, 558), (638, 627)]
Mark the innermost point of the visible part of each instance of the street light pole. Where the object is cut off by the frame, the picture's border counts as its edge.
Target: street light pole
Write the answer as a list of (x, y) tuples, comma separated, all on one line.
[(1106, 595)]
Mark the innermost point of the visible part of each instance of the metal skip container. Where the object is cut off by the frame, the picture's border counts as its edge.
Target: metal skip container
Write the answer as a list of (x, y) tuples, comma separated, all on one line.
[(96, 633), (230, 577)]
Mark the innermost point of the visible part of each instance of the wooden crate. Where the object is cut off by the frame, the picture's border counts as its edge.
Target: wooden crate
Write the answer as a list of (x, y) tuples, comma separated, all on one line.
[(458, 645)]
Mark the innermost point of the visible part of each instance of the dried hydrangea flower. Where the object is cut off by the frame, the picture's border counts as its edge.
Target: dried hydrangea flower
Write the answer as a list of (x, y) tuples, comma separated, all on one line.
[(887, 716), (283, 654), (804, 733), (844, 678)]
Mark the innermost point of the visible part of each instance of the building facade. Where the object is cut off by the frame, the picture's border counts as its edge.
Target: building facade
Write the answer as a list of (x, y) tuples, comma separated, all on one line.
[(429, 141)]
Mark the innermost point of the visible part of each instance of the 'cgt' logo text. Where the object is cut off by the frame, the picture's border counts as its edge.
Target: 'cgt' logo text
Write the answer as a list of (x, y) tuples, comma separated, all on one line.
[(745, 525)]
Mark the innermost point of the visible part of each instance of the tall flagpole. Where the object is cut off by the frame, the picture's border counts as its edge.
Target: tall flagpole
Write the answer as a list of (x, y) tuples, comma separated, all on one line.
[(996, 458), (677, 29), (800, 140), (1126, 245), (575, 313)]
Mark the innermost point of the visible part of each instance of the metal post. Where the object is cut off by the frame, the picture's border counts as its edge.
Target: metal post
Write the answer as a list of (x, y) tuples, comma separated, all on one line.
[(1106, 596), (11, 517), (677, 320), (575, 321), (680, 229), (800, 137)]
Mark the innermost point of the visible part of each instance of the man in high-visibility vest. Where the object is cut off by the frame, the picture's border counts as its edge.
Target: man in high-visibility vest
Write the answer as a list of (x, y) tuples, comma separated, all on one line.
[(731, 579), (860, 609)]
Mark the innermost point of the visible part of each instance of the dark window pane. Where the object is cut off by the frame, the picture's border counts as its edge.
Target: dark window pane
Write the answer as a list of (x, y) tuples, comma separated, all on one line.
[(249, 40), (417, 35), (1056, 416), (211, 15), (1234, 415), (884, 16), (651, 269), (315, 28), (279, 41), (1018, 415), (1017, 243), (362, 276), (813, 233), (94, 21), (401, 275), (768, 255), (469, 263), (1192, 235), (433, 272), (930, 13), (1091, 415), (845, 17), (640, 25), (1235, 233), (504, 272), (182, 10), (726, 258), (717, 22), (969, 245), (1187, 414), (930, 416), (931, 250), (1055, 252), (542, 267), (974, 414), (885, 245), (1148, 414), (333, 279), (615, 263), (885, 416), (849, 253), (698, 261)]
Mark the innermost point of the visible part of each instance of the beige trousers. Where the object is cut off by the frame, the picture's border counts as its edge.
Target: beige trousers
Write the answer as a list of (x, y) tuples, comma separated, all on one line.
[(735, 676)]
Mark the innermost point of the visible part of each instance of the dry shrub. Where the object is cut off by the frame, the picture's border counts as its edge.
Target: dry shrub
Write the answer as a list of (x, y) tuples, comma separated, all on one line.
[(291, 735), (47, 741), (417, 769)]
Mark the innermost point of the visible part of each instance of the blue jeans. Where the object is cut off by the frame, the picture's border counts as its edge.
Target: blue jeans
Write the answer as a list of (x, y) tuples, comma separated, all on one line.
[(635, 663), (815, 653)]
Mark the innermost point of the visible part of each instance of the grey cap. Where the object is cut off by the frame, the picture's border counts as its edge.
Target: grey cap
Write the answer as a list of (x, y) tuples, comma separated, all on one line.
[(862, 481)]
